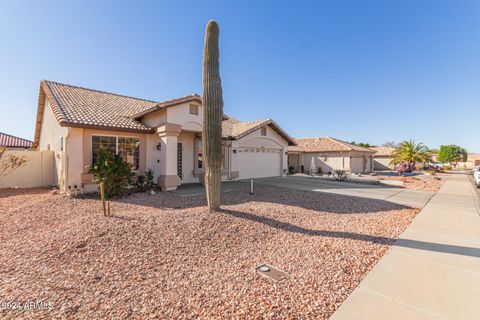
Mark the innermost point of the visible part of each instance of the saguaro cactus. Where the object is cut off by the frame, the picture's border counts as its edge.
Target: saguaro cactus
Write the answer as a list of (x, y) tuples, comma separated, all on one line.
[(212, 116)]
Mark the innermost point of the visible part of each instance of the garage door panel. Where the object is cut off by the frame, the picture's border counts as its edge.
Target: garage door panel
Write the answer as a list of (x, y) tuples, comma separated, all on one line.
[(259, 162)]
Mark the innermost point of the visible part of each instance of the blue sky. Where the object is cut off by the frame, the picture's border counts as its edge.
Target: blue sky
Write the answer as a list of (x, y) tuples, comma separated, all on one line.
[(369, 71)]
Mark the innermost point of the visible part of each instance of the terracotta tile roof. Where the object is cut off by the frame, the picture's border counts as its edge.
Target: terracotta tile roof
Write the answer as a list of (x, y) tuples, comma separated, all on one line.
[(235, 129), (326, 144), (10, 141), (81, 107), (383, 151)]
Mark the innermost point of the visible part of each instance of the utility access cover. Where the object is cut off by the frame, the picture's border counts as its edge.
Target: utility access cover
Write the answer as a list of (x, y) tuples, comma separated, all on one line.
[(270, 272)]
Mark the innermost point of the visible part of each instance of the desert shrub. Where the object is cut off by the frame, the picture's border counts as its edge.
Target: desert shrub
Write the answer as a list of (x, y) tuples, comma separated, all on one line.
[(432, 168), (340, 175), (447, 168), (145, 182), (110, 169), (404, 166)]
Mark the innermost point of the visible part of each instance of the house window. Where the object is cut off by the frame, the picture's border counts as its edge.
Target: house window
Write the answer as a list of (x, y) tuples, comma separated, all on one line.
[(264, 131), (126, 147), (194, 109)]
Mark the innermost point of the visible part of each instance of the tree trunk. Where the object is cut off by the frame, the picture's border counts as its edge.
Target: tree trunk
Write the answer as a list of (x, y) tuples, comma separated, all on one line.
[(212, 116)]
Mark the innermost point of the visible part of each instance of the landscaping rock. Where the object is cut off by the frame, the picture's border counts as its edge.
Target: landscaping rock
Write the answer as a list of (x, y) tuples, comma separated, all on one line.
[(152, 261)]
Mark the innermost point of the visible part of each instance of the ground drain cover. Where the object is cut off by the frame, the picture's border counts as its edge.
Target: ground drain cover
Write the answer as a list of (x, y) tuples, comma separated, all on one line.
[(270, 272)]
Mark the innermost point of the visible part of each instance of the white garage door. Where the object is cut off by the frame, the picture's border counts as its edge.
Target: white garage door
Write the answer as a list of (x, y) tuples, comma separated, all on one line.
[(259, 163)]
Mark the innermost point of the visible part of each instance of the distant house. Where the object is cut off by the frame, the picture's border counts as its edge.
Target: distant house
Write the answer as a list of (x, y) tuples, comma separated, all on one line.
[(166, 137), (14, 143), (382, 158), (473, 160), (329, 154)]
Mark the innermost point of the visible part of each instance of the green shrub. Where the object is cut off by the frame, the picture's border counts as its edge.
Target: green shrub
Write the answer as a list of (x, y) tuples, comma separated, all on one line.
[(145, 182), (110, 169)]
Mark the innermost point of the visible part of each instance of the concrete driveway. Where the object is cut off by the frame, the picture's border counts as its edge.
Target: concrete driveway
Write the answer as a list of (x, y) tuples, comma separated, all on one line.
[(412, 198)]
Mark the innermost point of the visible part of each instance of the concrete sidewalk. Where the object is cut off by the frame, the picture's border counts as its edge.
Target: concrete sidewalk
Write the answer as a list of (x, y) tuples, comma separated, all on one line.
[(433, 270)]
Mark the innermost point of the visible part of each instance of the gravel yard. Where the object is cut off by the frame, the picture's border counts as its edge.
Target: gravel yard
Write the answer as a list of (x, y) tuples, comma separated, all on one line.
[(427, 183), (164, 256)]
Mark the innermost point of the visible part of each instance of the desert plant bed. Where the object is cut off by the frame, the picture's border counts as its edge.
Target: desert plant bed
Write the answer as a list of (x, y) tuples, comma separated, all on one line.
[(164, 256)]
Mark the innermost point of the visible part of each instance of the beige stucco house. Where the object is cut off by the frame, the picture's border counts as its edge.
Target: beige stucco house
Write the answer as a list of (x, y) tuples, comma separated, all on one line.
[(329, 154), (166, 137), (382, 159)]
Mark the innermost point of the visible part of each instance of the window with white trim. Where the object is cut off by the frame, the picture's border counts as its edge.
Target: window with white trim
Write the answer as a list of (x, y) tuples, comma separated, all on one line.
[(127, 148)]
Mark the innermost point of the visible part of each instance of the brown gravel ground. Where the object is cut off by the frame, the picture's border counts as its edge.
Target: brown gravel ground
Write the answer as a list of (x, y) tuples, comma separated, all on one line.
[(164, 256), (430, 183)]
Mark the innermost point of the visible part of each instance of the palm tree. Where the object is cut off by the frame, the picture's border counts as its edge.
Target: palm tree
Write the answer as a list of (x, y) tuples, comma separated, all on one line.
[(411, 152)]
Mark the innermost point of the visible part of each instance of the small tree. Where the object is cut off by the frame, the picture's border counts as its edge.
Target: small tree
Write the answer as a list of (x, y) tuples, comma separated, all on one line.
[(110, 169), (10, 162), (452, 154), (362, 144)]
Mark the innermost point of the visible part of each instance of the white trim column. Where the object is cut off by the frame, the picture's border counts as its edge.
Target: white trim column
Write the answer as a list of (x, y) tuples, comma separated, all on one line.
[(168, 179)]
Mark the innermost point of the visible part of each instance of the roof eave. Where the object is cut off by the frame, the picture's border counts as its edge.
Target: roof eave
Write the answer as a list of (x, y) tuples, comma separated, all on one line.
[(162, 105), (100, 127)]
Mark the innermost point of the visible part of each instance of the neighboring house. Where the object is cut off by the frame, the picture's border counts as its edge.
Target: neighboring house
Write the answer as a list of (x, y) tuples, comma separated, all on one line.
[(166, 137), (382, 158), (473, 160), (329, 154), (14, 143)]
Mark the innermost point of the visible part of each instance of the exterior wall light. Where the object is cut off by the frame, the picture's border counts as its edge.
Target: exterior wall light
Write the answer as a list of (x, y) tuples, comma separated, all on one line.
[(159, 146), (234, 150)]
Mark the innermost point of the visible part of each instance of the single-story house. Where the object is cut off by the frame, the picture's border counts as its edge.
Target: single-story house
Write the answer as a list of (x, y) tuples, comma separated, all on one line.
[(382, 158), (14, 143), (473, 160), (329, 154), (166, 137)]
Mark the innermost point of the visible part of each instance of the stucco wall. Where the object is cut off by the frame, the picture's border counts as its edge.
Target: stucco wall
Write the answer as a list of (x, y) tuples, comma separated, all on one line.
[(180, 114), (153, 160), (50, 139), (328, 161), (382, 163), (38, 171)]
